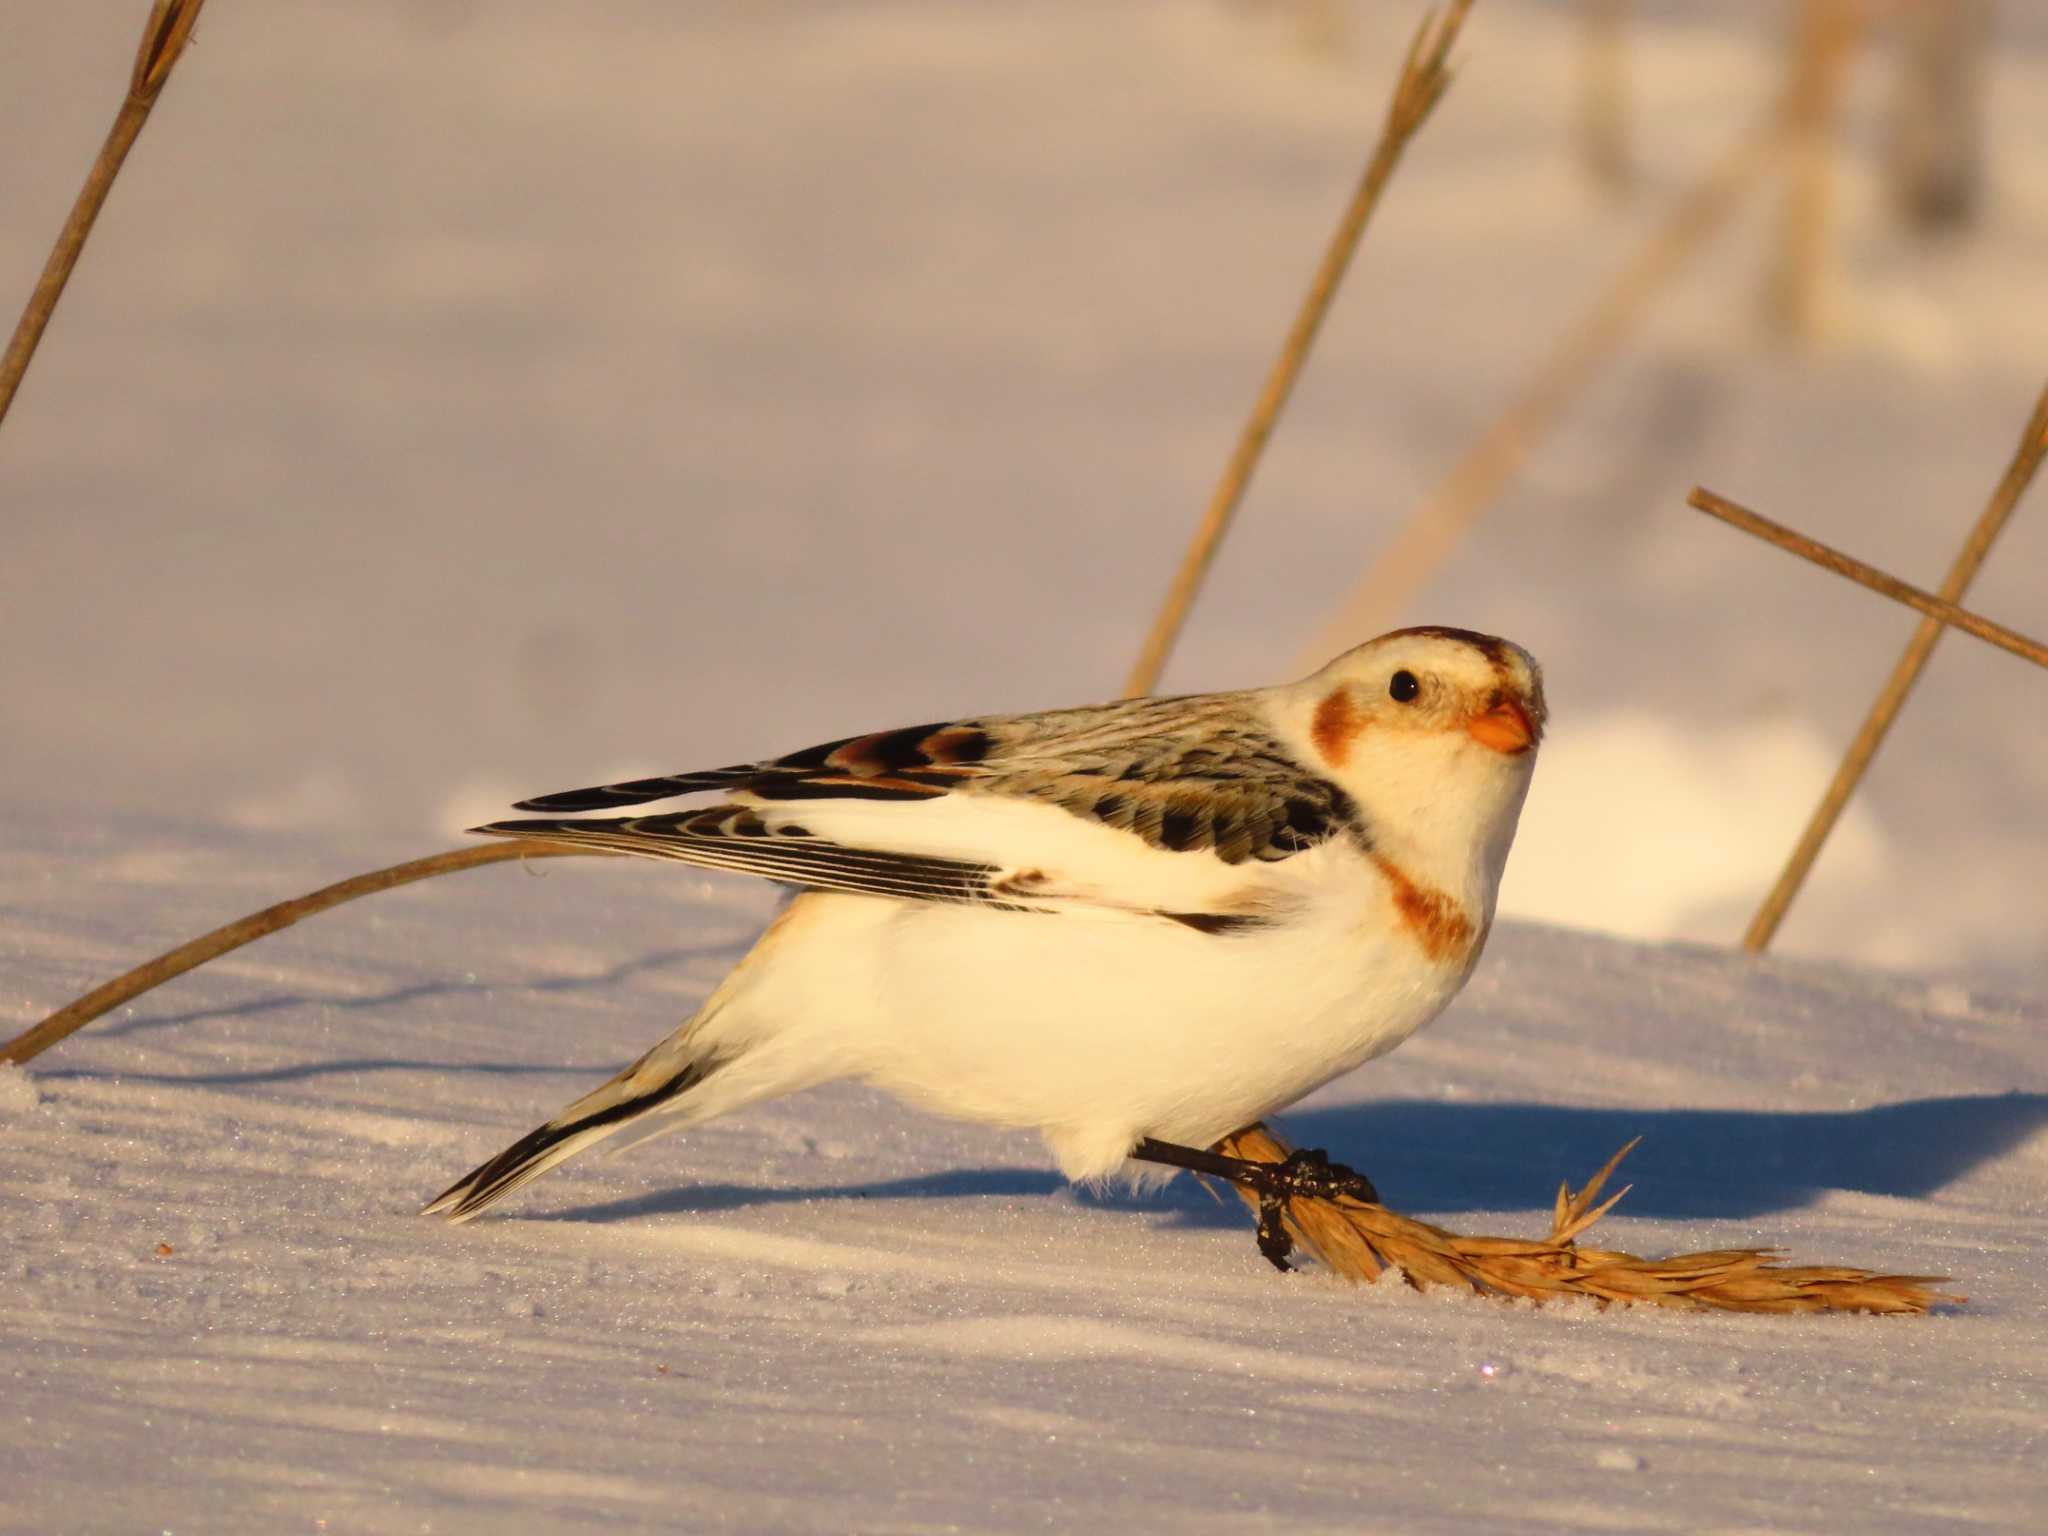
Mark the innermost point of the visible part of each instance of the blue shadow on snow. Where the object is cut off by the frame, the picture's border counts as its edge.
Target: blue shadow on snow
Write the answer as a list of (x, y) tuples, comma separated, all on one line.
[(1439, 1158)]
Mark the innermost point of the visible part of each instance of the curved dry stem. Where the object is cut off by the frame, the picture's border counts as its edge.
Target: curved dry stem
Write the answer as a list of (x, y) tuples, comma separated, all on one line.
[(75, 1016), (1425, 76)]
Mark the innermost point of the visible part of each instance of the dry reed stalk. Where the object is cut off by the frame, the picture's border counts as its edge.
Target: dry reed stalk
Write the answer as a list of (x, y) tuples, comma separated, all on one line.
[(1822, 39), (1604, 118), (76, 1015), (1942, 610), (1425, 541), (1361, 1241), (1941, 613), (1425, 75), (163, 39), (1935, 160)]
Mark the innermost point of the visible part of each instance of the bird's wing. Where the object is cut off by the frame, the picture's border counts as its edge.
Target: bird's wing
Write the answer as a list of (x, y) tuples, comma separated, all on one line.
[(1185, 775), (1179, 807)]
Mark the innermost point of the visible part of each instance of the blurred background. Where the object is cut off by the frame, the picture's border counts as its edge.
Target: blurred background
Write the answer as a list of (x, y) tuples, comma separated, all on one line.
[(464, 401)]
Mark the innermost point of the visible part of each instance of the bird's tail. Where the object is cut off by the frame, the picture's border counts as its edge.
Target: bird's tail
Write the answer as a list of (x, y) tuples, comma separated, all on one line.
[(655, 1082)]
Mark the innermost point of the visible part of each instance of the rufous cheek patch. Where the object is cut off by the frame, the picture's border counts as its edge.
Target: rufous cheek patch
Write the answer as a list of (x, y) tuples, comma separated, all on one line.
[(1335, 726)]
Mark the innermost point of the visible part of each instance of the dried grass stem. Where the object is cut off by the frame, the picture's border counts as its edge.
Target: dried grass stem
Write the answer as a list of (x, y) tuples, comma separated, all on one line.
[(1362, 1241), (76, 1015), (1424, 77), (1824, 37), (1434, 529), (1941, 611), (163, 39)]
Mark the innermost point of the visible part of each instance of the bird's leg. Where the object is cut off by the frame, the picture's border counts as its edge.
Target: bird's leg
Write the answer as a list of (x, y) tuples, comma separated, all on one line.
[(1306, 1172)]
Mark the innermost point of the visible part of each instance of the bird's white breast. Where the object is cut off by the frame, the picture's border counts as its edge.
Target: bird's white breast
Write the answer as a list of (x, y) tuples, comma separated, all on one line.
[(1098, 1028)]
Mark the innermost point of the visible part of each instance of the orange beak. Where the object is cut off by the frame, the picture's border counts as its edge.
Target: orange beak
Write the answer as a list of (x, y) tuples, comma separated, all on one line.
[(1505, 728)]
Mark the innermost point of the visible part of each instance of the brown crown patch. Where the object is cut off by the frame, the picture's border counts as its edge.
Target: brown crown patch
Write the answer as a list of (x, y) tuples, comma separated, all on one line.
[(1492, 647)]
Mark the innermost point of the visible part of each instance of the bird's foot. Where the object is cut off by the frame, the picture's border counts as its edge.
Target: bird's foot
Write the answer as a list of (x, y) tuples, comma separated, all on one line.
[(1310, 1172)]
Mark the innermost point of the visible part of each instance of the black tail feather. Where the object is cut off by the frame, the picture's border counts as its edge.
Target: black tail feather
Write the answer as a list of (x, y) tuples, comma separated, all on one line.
[(527, 1158), (605, 797)]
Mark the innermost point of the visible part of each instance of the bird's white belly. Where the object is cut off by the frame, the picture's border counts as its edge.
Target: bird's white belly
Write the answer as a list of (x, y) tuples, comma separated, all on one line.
[(1099, 1030)]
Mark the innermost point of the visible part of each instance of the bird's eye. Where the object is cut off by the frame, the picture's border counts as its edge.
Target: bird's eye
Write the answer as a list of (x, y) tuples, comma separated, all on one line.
[(1403, 687)]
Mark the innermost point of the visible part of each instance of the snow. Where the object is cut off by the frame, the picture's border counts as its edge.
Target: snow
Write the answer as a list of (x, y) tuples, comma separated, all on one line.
[(832, 1313), (464, 402), (18, 1092)]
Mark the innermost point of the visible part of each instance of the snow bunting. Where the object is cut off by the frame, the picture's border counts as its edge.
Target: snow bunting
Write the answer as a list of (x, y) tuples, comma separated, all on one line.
[(1135, 927)]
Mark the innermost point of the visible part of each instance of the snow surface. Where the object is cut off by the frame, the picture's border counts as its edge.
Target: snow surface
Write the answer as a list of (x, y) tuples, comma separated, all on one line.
[(463, 401), (834, 1314)]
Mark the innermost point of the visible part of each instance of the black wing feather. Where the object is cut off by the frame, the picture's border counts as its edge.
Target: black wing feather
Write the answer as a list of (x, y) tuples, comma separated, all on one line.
[(734, 837), (908, 763)]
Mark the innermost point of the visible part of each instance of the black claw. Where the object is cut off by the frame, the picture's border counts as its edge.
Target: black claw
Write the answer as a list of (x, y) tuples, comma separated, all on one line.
[(1274, 1241)]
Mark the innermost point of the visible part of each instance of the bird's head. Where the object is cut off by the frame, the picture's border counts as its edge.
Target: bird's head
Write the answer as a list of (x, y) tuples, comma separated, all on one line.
[(1433, 732)]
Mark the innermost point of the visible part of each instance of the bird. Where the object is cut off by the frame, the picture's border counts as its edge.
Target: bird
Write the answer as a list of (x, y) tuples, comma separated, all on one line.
[(1133, 927)]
